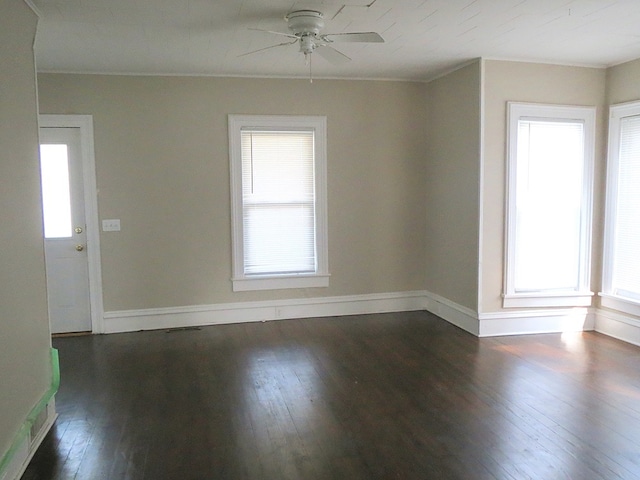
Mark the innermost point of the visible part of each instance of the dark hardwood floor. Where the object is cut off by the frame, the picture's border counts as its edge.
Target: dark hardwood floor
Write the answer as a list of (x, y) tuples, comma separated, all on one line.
[(390, 396)]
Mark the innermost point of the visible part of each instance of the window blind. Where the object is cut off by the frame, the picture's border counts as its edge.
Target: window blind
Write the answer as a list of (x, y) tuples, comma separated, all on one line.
[(626, 258), (278, 201), (549, 198)]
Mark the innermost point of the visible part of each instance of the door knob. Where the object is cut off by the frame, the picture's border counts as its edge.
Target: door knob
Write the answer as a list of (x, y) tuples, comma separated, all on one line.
[(79, 248)]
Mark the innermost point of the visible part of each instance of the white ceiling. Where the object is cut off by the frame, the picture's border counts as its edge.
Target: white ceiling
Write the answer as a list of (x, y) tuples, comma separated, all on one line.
[(423, 38)]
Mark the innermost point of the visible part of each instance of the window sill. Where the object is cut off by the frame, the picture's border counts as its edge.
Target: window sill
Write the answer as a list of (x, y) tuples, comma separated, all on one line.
[(539, 299), (246, 284), (620, 304)]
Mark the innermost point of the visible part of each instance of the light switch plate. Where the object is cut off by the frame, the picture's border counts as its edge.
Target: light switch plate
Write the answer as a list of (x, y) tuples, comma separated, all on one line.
[(111, 225)]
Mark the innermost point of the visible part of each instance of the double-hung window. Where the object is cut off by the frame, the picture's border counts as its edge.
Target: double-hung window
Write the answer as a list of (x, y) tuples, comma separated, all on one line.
[(278, 190), (621, 282), (549, 204)]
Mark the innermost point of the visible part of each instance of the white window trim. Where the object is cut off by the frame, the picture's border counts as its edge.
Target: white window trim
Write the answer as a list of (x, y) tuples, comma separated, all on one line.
[(320, 278), (608, 297), (582, 296), (621, 304)]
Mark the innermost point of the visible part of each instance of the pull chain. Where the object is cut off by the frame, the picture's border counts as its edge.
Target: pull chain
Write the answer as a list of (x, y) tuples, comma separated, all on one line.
[(307, 61)]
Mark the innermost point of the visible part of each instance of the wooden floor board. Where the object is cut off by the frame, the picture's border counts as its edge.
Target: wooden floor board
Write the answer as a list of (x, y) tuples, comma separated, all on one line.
[(400, 395)]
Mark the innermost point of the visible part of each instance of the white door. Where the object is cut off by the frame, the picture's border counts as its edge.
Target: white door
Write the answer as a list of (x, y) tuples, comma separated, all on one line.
[(65, 230)]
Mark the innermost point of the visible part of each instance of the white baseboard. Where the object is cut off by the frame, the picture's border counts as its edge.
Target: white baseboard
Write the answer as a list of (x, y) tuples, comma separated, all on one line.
[(454, 313), (28, 444), (513, 322), (522, 322), (618, 325), (517, 322), (200, 315)]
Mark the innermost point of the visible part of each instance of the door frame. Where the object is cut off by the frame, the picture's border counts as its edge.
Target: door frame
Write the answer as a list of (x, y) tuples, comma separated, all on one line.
[(85, 124)]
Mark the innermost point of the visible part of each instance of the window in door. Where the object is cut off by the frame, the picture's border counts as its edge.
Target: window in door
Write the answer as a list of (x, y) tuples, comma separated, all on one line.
[(56, 194)]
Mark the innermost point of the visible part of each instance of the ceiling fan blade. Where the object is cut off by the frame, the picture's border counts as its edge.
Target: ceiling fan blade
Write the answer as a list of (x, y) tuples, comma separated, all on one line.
[(267, 48), (275, 33), (364, 37), (332, 55)]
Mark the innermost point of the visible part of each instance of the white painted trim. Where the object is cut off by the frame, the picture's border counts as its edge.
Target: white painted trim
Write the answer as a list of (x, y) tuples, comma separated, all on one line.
[(28, 447), (451, 70), (85, 124), (454, 313), (548, 299), (553, 113), (620, 304), (200, 315), (513, 322), (304, 77), (610, 296), (618, 325), (317, 124), (601, 66), (524, 322)]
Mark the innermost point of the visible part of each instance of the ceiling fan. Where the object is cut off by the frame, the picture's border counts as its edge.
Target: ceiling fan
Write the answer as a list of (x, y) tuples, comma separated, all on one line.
[(305, 27)]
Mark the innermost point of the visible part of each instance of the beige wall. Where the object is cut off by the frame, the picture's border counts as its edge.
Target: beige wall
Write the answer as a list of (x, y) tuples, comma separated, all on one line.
[(452, 185), (161, 152), (395, 172), (24, 326), (535, 83), (622, 83)]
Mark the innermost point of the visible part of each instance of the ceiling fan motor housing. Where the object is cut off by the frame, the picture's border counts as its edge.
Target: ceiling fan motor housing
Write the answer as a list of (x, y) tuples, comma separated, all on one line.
[(307, 44), (303, 22)]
